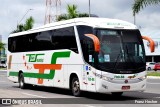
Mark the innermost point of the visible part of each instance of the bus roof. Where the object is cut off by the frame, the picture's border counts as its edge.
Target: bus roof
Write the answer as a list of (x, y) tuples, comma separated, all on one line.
[(92, 21)]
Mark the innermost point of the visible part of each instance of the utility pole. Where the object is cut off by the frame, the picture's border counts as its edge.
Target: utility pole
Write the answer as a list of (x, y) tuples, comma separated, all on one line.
[(24, 16), (135, 19), (89, 8), (134, 16)]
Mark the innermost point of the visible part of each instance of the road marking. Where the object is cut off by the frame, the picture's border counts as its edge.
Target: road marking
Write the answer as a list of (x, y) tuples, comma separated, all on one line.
[(152, 83), (33, 95), (89, 106)]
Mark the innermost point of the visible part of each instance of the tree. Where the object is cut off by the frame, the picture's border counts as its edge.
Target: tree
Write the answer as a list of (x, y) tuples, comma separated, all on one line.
[(20, 28), (1, 47), (29, 23), (62, 17), (23, 27), (140, 4), (71, 13), (83, 15)]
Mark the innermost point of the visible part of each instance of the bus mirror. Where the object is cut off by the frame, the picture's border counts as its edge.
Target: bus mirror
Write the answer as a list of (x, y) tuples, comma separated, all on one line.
[(95, 40), (152, 44)]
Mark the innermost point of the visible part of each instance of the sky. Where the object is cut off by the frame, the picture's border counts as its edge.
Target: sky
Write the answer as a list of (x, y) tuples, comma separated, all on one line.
[(12, 11)]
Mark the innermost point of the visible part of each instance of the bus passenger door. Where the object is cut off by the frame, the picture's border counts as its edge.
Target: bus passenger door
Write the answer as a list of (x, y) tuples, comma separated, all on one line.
[(89, 56)]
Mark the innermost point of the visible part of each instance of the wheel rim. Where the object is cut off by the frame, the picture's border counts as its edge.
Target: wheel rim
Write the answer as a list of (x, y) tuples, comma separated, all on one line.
[(21, 82), (76, 86)]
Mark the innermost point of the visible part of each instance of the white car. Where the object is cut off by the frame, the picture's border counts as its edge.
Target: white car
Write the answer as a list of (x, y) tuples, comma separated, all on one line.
[(150, 66), (3, 65)]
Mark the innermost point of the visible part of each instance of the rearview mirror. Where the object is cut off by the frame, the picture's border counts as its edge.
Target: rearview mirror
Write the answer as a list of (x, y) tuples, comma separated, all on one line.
[(95, 41), (152, 44)]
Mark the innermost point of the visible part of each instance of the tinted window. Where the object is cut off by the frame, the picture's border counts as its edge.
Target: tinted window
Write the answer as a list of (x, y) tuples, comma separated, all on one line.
[(87, 44), (22, 43), (47, 40), (43, 41), (65, 39), (152, 63)]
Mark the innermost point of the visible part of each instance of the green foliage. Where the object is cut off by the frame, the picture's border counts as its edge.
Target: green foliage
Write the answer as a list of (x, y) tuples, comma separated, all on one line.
[(140, 4), (1, 45), (72, 13), (153, 74), (83, 15), (20, 28), (62, 17), (23, 27), (29, 23)]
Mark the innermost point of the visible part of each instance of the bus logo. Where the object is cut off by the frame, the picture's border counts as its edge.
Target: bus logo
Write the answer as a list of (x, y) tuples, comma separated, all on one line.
[(35, 57)]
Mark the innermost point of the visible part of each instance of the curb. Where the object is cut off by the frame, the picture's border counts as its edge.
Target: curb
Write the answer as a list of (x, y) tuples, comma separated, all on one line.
[(153, 77)]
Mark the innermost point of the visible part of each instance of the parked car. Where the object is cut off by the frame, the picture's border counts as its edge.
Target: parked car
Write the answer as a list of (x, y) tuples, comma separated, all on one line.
[(3, 65), (150, 66), (157, 66)]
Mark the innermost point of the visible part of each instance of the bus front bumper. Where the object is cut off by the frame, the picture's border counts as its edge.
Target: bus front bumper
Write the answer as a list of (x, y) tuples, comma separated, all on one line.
[(106, 86)]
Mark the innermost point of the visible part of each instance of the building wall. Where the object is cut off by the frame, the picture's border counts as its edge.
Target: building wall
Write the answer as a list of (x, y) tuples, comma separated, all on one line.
[(155, 56)]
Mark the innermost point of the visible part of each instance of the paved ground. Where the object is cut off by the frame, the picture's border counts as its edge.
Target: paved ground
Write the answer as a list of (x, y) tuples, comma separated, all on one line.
[(61, 96)]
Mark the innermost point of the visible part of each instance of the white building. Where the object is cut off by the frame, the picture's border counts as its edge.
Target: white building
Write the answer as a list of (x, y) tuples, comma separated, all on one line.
[(155, 56)]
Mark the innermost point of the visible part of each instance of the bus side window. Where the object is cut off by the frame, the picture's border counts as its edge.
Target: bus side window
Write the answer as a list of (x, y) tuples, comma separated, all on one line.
[(56, 38), (69, 39), (10, 44), (64, 39), (43, 41), (86, 43), (88, 50), (14, 44)]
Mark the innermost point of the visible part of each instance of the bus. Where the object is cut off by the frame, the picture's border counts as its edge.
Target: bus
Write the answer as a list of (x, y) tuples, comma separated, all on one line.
[(83, 54)]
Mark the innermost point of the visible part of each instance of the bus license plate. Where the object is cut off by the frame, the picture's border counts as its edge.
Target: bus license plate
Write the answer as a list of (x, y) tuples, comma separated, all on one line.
[(125, 87)]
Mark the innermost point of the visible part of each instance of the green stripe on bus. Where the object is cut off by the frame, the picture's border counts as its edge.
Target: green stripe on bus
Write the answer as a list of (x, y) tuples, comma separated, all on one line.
[(11, 73), (51, 75), (54, 59)]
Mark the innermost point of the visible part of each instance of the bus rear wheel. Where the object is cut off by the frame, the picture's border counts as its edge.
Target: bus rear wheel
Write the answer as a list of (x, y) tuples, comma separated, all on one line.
[(22, 84), (76, 87)]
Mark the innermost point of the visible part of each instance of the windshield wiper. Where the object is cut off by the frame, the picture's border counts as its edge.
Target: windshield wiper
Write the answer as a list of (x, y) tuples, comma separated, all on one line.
[(117, 62)]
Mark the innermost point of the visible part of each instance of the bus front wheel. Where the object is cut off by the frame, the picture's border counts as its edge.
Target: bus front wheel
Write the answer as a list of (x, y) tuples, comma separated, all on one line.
[(76, 87), (22, 84)]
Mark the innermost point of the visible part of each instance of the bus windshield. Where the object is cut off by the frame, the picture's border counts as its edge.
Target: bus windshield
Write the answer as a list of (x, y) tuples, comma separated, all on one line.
[(121, 51)]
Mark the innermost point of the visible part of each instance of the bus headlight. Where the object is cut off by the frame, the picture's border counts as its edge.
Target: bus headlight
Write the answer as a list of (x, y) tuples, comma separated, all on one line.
[(143, 78), (106, 78)]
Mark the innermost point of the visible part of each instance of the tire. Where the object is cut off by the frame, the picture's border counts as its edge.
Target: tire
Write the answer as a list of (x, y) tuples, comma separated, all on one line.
[(76, 87), (22, 84), (117, 94), (149, 68)]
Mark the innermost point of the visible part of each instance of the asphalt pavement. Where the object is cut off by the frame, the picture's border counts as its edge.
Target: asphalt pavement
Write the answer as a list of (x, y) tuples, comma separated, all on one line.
[(50, 96)]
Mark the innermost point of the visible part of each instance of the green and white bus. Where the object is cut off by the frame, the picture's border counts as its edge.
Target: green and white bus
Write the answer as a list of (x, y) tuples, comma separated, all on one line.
[(82, 54)]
